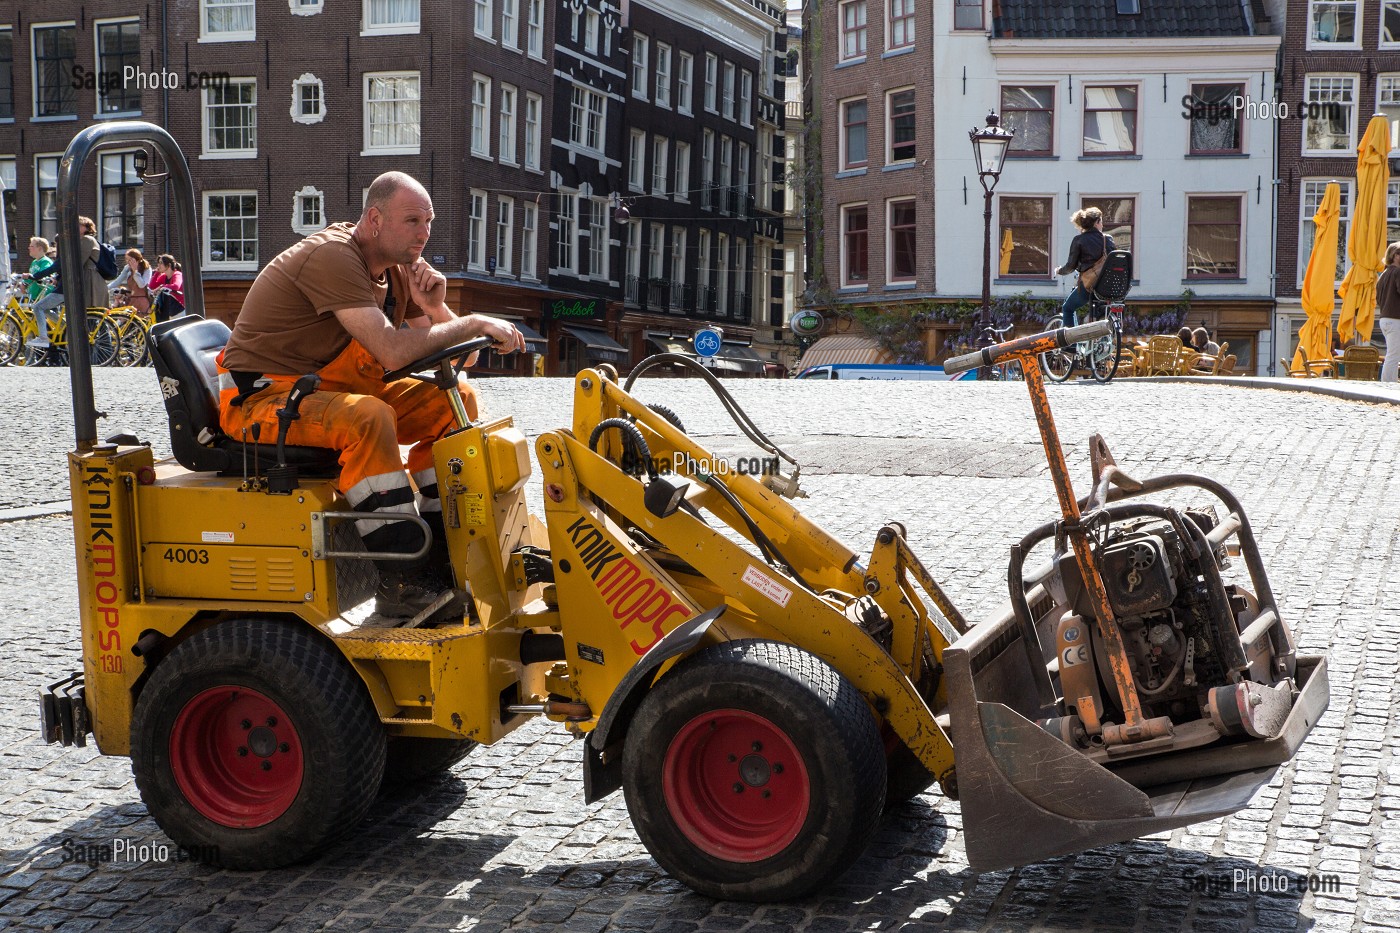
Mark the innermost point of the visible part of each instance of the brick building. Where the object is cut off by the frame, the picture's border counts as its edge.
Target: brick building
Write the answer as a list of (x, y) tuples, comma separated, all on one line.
[(1341, 63)]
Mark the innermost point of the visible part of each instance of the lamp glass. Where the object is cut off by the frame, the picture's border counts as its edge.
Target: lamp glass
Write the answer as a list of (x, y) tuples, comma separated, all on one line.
[(991, 151)]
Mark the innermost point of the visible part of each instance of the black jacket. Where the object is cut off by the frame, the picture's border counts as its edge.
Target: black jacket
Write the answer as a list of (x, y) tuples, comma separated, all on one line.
[(1388, 293), (1085, 250)]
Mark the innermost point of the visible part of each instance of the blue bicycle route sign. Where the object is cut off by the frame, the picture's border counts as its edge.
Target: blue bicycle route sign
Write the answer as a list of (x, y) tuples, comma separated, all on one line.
[(707, 343)]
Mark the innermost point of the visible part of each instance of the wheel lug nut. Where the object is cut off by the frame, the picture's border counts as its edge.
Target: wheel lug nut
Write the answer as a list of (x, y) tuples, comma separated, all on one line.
[(767, 794), (733, 758), (246, 725), (284, 747), (738, 788), (266, 765), (757, 746), (777, 767), (242, 752), (271, 721)]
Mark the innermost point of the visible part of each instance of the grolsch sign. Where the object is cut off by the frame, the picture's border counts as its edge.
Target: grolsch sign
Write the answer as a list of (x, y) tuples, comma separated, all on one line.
[(573, 309)]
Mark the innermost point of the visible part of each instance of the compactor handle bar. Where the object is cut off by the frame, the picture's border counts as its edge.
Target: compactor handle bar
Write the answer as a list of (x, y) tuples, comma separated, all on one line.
[(990, 356)]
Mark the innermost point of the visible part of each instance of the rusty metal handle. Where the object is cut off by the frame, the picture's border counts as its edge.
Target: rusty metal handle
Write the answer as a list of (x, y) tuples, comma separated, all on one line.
[(989, 356)]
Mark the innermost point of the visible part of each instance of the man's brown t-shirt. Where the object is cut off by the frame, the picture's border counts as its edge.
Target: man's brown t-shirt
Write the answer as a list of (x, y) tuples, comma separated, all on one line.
[(287, 325)]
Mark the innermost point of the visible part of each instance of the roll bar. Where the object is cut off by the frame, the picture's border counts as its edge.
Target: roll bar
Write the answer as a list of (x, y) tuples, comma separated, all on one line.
[(70, 172)]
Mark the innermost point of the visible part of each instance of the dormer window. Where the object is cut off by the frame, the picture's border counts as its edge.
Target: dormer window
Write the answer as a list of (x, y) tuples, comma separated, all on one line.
[(1129, 7)]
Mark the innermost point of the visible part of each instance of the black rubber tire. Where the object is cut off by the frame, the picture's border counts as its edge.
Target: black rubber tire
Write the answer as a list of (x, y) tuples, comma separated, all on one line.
[(341, 739), (410, 759), (1104, 364), (1057, 364), (830, 727)]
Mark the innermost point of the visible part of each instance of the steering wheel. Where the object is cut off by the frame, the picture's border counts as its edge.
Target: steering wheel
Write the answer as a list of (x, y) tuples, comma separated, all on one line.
[(458, 352)]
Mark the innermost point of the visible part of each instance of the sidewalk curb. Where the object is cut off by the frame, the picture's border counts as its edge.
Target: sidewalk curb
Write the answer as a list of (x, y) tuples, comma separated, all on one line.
[(1315, 386), (42, 510)]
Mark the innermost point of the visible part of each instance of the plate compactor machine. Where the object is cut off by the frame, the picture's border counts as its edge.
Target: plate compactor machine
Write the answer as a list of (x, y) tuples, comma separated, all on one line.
[(759, 691)]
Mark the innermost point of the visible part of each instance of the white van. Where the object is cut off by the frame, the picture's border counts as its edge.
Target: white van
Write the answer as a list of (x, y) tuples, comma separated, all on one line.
[(878, 371)]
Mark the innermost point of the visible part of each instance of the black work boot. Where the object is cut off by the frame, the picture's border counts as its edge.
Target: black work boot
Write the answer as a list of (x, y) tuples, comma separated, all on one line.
[(438, 557), (418, 591)]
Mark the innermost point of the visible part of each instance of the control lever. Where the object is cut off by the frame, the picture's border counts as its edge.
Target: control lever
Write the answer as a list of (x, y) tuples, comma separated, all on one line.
[(282, 479)]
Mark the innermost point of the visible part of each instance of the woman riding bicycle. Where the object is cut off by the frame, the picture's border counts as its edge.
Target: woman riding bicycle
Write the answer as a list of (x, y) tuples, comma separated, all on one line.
[(1086, 249)]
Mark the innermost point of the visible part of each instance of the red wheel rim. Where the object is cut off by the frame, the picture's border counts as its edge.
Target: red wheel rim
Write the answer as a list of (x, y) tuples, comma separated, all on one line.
[(736, 786), (236, 757)]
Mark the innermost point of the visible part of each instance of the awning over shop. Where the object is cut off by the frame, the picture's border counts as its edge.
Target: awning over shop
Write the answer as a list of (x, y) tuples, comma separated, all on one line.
[(670, 345), (742, 358), (534, 340), (598, 346), (846, 348)]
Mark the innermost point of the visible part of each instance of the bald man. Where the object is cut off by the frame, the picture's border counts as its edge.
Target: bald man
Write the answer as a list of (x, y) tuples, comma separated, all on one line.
[(349, 303)]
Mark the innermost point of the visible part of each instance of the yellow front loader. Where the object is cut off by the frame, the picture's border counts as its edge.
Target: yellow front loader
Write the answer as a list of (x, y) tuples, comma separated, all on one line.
[(758, 690)]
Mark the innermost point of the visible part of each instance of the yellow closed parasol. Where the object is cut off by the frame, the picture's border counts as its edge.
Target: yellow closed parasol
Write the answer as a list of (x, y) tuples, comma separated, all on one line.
[(1366, 239)]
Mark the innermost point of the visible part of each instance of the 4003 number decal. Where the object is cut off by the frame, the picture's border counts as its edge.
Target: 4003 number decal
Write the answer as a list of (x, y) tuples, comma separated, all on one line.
[(186, 555)]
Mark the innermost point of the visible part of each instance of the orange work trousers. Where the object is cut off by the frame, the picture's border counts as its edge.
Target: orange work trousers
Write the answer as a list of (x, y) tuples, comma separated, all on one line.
[(355, 412)]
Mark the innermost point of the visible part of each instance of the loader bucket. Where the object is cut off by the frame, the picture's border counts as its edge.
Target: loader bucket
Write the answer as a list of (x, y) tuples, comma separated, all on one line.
[(1026, 795)]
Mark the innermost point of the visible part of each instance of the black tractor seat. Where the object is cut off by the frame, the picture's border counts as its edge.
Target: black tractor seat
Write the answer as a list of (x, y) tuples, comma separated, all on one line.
[(183, 351)]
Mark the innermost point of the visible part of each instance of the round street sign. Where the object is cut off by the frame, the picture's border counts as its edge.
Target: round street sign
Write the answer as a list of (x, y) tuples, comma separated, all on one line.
[(808, 323), (707, 342)]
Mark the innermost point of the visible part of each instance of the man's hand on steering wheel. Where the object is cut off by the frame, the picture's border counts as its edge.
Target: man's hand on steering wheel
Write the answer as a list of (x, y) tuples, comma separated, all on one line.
[(504, 335)]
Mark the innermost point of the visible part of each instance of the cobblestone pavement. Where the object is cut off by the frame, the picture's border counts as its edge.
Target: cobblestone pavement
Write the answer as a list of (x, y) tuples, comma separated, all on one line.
[(506, 842)]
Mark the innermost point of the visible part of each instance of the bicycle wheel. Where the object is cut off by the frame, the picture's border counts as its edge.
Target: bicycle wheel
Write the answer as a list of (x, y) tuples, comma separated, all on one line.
[(1103, 356), (1059, 363), (104, 340), (11, 340), (131, 333)]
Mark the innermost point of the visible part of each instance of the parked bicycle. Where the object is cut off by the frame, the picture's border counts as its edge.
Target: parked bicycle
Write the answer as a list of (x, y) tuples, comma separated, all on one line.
[(1097, 358), (19, 326)]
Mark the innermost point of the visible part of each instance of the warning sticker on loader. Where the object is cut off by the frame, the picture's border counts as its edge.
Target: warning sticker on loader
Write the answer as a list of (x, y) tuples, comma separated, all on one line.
[(216, 537), (767, 586)]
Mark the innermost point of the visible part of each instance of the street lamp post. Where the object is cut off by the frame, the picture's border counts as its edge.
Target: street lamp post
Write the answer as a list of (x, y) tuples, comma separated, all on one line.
[(989, 145)]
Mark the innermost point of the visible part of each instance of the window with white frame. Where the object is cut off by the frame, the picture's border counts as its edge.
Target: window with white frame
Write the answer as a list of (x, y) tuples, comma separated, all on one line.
[(46, 196), (702, 267), (505, 233), (707, 167), (534, 29), (663, 75), (586, 118), (1329, 114), (682, 189), (1392, 211), (765, 168), (726, 170), (636, 160), (481, 18), (231, 118), (308, 99), (660, 151), (308, 210), (746, 97), (11, 204), (476, 230), (392, 113), (120, 202), (1388, 103), (853, 23), (902, 240), (226, 20), (55, 54), (7, 76), (743, 281), (1390, 23), (481, 116), (722, 267), (684, 75), (1213, 240), (742, 182), (1334, 24), (711, 76), (1312, 193), (639, 65), (118, 48), (306, 7), (510, 24), (677, 265), (656, 255), (534, 106), (231, 229), (566, 255), (598, 239), (901, 25), (726, 93), (529, 239), (389, 17), (854, 133), (968, 14), (633, 259), (591, 25), (505, 147)]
